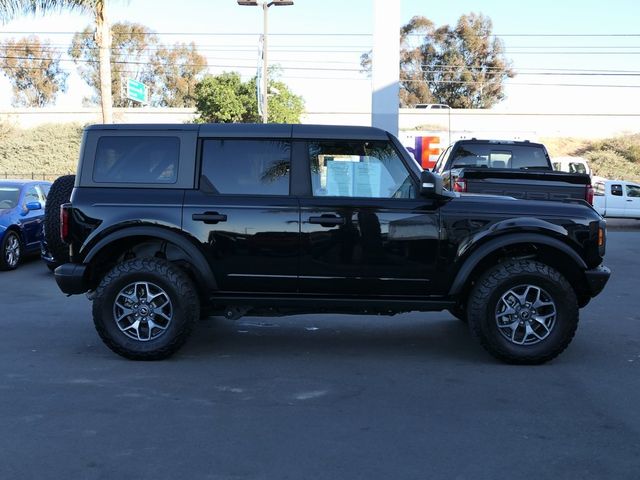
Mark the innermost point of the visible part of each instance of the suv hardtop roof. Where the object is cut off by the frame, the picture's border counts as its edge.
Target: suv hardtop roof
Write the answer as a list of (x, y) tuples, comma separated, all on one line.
[(259, 130)]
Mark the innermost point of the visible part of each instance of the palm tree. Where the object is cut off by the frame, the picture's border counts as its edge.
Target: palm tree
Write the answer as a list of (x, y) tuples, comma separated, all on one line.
[(10, 9)]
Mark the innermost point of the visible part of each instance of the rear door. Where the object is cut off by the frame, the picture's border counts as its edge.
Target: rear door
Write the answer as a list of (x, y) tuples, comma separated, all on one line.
[(632, 201), (243, 216), (365, 231)]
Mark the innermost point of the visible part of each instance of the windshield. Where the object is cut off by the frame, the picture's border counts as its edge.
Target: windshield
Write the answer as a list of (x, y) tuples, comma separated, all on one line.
[(501, 156), (8, 197)]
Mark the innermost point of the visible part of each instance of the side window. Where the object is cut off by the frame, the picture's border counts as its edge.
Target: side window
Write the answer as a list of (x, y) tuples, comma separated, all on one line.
[(633, 191), (442, 160), (44, 190), (130, 159), (616, 190), (577, 168), (254, 167), (366, 169), (31, 195), (598, 189)]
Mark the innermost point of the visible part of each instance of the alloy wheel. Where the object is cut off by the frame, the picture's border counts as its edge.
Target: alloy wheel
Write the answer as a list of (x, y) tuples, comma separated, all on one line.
[(525, 315), (143, 311), (12, 251)]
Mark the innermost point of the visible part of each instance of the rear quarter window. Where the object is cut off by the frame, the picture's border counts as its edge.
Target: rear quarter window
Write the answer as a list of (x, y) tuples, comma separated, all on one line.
[(137, 159)]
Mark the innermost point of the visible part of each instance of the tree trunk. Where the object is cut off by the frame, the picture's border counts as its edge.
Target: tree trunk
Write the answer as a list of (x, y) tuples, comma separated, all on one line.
[(103, 39)]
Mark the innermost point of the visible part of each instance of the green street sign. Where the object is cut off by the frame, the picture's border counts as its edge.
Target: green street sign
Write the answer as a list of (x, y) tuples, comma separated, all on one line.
[(136, 91)]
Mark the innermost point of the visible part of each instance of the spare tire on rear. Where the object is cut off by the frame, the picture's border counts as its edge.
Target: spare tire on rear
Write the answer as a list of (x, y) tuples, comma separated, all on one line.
[(59, 193)]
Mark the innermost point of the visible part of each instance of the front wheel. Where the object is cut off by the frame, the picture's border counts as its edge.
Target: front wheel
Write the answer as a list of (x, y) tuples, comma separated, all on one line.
[(459, 312), (523, 312), (145, 308)]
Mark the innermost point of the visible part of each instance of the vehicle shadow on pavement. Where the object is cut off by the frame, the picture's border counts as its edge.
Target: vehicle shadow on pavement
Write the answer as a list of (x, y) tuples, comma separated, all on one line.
[(436, 336)]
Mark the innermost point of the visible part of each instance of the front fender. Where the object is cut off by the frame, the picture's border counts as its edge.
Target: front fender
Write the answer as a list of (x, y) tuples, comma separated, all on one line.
[(511, 226), (196, 256), (477, 254)]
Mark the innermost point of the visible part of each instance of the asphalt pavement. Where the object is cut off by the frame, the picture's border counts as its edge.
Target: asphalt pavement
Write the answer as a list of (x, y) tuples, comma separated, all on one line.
[(317, 396)]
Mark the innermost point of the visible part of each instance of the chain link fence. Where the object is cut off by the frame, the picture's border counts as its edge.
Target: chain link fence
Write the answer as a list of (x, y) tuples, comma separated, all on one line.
[(33, 176)]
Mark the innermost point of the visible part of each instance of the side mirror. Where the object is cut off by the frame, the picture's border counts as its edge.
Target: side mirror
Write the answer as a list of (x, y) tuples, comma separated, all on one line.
[(33, 206), (430, 184)]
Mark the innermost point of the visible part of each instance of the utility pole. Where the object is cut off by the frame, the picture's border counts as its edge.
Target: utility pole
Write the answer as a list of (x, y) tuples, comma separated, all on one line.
[(265, 63), (265, 33)]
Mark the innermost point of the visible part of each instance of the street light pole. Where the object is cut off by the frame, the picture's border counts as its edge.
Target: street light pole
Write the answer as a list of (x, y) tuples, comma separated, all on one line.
[(265, 4)]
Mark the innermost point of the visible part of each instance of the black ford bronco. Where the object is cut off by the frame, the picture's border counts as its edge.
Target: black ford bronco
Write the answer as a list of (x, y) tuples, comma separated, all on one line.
[(169, 223)]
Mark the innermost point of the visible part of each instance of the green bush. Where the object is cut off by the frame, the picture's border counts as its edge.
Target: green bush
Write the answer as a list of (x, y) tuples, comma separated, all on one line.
[(615, 157), (46, 151), (611, 164), (627, 147)]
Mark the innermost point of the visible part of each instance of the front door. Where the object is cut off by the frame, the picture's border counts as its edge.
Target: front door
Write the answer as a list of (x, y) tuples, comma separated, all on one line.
[(31, 219), (365, 230), (615, 200), (244, 217)]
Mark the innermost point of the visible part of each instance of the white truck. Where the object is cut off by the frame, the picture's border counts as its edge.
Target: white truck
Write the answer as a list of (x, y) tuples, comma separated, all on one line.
[(571, 165), (617, 199)]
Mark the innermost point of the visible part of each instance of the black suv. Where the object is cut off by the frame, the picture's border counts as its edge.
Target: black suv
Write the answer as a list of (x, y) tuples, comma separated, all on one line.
[(168, 223)]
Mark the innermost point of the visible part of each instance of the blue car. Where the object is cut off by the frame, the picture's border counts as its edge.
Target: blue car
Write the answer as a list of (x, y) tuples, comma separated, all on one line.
[(21, 215)]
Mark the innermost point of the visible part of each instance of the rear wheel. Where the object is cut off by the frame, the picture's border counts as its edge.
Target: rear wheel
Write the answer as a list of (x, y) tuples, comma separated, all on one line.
[(145, 308), (523, 312), (11, 250), (59, 193)]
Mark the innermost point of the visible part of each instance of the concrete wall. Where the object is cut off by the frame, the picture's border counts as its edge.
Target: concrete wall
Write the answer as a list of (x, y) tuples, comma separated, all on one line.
[(31, 117), (496, 124), (464, 123)]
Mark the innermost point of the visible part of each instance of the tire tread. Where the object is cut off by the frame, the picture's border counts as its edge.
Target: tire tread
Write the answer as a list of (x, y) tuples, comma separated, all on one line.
[(59, 193), (484, 289), (186, 292)]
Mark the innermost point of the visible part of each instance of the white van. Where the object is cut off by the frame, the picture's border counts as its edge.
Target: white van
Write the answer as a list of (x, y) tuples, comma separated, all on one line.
[(617, 199), (571, 165)]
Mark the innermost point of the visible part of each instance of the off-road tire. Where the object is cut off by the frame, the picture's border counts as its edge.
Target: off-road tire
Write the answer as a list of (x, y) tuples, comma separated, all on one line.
[(483, 304), (10, 237), (180, 290), (59, 193)]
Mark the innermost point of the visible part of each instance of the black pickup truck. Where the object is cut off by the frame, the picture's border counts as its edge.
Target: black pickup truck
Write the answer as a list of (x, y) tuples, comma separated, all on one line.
[(511, 168), (168, 223)]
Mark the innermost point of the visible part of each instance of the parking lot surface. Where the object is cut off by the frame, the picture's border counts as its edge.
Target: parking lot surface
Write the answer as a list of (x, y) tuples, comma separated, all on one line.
[(317, 396)]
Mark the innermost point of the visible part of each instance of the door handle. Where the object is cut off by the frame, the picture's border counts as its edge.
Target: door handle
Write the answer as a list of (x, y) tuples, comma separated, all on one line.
[(327, 220), (629, 200), (209, 217)]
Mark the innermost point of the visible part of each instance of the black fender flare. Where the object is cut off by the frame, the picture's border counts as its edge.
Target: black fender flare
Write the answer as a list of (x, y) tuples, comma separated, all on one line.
[(505, 240), (196, 257)]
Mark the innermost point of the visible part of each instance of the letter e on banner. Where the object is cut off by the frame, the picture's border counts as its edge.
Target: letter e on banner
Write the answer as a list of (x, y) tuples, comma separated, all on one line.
[(427, 150)]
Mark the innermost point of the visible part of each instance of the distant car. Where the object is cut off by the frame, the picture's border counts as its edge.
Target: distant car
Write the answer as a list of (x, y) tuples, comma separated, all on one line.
[(519, 169), (617, 199), (21, 214), (432, 106)]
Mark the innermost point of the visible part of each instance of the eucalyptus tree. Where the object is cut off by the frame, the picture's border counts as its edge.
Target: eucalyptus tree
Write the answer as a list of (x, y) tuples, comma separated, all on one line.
[(11, 9)]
